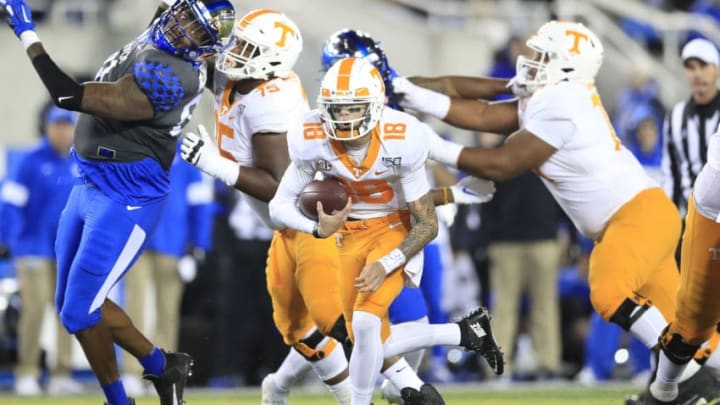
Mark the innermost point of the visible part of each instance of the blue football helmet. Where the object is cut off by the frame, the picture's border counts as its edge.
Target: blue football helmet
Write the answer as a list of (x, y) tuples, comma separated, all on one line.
[(194, 28), (351, 43)]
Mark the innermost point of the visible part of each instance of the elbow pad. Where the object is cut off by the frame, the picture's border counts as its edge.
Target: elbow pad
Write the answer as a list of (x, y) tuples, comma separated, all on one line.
[(64, 90)]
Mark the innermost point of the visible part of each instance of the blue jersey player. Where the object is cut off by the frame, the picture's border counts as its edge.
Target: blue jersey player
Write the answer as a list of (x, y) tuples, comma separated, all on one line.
[(124, 144)]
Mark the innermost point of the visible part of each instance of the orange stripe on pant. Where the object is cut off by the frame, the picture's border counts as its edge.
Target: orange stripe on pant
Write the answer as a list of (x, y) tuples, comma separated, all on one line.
[(363, 242), (302, 281), (698, 302), (634, 257)]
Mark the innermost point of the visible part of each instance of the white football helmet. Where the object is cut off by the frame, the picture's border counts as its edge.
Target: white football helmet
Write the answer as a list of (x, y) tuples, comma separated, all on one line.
[(351, 83), (268, 44), (565, 51)]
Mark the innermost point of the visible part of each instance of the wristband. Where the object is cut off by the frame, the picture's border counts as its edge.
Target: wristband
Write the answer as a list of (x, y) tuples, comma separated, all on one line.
[(392, 260), (28, 38), (446, 197), (438, 104)]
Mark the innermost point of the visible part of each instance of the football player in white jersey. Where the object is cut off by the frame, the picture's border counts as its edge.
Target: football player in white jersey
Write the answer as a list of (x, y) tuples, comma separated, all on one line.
[(379, 155), (257, 95), (559, 128)]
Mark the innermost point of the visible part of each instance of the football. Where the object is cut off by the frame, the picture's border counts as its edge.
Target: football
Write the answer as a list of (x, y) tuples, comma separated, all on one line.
[(329, 192)]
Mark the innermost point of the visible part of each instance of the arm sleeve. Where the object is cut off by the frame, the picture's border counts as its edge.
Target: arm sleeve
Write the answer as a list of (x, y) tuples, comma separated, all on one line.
[(200, 202), (284, 211), (442, 150)]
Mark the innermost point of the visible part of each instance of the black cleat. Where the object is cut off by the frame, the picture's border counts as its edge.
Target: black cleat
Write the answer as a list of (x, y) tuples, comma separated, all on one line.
[(427, 395), (170, 385), (476, 335)]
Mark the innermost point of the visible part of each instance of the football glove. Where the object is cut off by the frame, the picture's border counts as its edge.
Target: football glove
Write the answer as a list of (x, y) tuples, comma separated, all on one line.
[(19, 15), (420, 99), (200, 151), (472, 190)]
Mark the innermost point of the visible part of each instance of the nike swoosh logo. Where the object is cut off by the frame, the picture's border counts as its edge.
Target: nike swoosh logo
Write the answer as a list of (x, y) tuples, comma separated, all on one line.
[(400, 370), (379, 172), (132, 207), (63, 98), (469, 191)]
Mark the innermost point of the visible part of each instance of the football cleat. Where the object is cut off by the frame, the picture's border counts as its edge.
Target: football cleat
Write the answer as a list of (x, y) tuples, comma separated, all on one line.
[(271, 394), (170, 385), (427, 395), (476, 335)]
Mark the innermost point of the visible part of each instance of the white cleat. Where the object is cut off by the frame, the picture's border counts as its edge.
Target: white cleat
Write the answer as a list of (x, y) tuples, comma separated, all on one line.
[(63, 386), (27, 387), (271, 394)]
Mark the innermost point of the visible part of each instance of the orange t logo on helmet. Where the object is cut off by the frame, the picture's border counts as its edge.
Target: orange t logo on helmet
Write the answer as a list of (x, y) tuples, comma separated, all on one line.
[(285, 31), (578, 35)]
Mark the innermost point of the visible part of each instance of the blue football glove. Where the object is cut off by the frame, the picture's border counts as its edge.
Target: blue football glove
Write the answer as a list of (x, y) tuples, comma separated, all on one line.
[(19, 15)]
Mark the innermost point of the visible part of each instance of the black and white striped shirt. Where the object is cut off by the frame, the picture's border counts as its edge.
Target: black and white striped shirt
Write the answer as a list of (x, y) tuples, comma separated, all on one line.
[(687, 130)]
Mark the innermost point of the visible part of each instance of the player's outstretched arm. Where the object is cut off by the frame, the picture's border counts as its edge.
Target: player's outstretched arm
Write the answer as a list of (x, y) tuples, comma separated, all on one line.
[(122, 100), (464, 86), (521, 152), (466, 113)]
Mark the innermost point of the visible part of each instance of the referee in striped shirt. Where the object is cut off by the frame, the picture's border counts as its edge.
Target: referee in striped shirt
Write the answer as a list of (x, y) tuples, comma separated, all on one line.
[(690, 123)]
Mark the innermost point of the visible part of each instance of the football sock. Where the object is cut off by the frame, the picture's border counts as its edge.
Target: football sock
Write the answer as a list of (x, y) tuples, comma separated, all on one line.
[(154, 363), (332, 365), (367, 356), (294, 366), (648, 326), (409, 336), (115, 393), (402, 375)]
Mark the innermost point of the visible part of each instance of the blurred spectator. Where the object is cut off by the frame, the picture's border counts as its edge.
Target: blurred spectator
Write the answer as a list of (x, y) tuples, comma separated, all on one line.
[(690, 123), (644, 141), (642, 91), (522, 222), (33, 197), (170, 259)]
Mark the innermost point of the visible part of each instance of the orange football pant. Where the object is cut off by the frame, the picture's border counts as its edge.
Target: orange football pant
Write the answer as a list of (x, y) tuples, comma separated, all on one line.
[(698, 302), (634, 257), (302, 282), (363, 242)]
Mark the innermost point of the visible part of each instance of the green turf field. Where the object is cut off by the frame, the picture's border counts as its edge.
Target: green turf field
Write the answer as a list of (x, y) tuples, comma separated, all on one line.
[(535, 395)]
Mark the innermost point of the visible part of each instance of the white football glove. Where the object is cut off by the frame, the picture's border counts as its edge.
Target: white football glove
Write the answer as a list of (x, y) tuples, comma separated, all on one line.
[(421, 99), (472, 190), (518, 90), (200, 151)]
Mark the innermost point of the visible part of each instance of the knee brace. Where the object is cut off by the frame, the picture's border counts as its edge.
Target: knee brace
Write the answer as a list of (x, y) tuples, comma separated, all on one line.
[(315, 347), (629, 312), (675, 348)]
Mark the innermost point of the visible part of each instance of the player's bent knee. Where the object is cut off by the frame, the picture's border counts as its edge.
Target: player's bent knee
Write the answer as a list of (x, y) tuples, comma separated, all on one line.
[(602, 301), (76, 320), (315, 347)]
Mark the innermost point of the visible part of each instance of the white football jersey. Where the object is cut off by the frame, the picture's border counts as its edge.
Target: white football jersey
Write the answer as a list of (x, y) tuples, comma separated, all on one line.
[(392, 173), (271, 107), (592, 174)]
